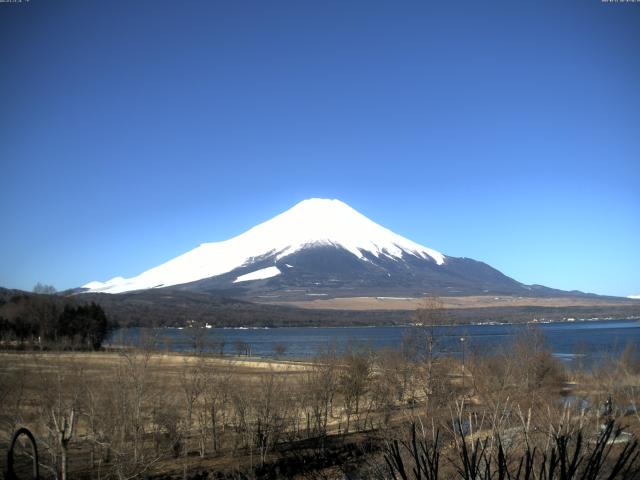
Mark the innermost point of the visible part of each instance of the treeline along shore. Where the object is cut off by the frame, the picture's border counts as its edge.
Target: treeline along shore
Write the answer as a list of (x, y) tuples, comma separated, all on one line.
[(168, 308)]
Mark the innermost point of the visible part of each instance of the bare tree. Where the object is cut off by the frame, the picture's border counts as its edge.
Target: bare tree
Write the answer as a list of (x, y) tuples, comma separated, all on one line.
[(354, 382), (279, 349), (44, 289), (536, 369), (198, 338), (429, 318), (242, 348), (59, 403), (320, 385), (271, 409), (64, 424), (12, 394), (240, 416), (217, 393), (390, 382), (192, 383)]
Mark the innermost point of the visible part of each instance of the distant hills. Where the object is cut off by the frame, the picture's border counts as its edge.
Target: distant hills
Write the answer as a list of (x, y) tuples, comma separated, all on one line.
[(174, 307)]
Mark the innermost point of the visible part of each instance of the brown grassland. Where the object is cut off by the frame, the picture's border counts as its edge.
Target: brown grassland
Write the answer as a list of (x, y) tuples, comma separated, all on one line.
[(142, 413), (478, 301)]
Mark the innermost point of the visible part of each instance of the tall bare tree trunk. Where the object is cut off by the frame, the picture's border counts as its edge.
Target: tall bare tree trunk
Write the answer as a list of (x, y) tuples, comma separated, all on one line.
[(65, 428)]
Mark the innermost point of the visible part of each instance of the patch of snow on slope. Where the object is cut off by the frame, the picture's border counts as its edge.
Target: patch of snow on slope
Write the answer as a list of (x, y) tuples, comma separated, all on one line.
[(309, 223), (634, 297), (258, 274), (101, 286)]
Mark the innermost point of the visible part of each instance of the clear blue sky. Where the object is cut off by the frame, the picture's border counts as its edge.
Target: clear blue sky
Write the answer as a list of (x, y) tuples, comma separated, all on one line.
[(508, 132)]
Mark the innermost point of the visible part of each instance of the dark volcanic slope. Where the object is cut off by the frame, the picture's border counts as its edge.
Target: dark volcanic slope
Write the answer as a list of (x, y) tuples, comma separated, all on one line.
[(330, 271)]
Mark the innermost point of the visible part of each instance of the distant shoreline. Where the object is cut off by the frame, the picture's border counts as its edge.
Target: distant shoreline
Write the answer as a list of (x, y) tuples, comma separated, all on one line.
[(408, 325)]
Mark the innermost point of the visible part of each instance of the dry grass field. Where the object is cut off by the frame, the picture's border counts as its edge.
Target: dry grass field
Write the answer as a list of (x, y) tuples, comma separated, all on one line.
[(136, 413), (34, 386), (403, 303)]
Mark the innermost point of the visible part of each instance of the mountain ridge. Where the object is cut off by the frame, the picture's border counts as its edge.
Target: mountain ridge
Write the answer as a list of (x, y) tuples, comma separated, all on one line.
[(310, 223), (322, 248)]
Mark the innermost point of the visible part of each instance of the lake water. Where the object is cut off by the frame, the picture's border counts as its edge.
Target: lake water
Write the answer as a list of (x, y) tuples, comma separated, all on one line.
[(584, 341)]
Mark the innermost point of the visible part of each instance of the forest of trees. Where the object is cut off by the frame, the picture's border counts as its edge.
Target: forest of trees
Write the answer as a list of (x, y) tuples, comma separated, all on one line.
[(47, 321)]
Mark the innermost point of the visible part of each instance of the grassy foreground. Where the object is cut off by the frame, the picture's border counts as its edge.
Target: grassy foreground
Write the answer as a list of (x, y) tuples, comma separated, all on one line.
[(138, 413)]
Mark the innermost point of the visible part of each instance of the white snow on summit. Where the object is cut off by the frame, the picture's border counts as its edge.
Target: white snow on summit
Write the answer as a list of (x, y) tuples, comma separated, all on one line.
[(634, 297), (310, 223)]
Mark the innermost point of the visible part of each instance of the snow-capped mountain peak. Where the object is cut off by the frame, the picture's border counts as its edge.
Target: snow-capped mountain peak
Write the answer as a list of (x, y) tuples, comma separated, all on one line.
[(332, 222), (310, 223)]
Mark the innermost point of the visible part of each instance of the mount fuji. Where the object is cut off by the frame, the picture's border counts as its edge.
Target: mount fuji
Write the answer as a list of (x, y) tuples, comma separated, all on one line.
[(320, 249)]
